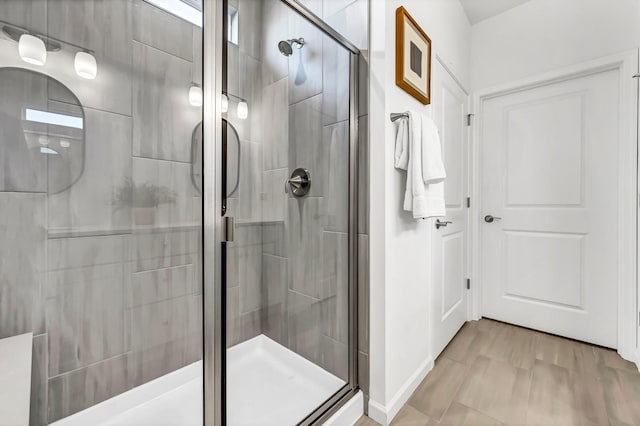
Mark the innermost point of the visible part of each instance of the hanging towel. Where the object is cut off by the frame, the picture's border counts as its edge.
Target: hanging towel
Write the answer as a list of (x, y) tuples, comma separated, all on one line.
[(416, 142)]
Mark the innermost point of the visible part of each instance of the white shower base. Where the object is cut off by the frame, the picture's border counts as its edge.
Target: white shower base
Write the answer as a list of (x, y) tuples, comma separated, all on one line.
[(268, 385)]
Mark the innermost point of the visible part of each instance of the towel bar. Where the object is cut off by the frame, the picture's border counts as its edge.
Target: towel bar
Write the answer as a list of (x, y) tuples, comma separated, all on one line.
[(395, 116)]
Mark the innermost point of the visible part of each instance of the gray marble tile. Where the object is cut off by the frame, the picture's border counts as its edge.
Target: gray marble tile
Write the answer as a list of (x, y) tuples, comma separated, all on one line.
[(275, 23), (335, 357), (233, 70), (232, 277), (335, 286), (250, 88), (331, 7), (250, 279), (22, 166), (363, 293), (39, 376), (314, 6), (70, 253), (82, 388), (250, 27), (232, 323), (303, 324), (162, 193), (274, 288), (162, 30), (161, 284), (93, 202), (248, 251), (163, 118), (198, 55), (335, 141), (275, 106), (363, 175), (274, 239), (250, 185), (352, 22), (25, 13), (157, 250), (305, 65), (106, 28), (163, 336), (22, 249), (306, 147), (335, 77), (306, 246), (274, 197), (85, 316)]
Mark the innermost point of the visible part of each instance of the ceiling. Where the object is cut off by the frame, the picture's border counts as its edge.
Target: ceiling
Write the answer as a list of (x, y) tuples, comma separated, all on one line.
[(479, 10)]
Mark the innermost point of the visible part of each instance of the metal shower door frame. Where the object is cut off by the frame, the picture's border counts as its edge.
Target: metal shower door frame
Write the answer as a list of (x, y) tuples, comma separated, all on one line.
[(214, 329)]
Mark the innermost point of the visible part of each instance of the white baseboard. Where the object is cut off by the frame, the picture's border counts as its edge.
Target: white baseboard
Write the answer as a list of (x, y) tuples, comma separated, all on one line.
[(385, 414), (637, 358)]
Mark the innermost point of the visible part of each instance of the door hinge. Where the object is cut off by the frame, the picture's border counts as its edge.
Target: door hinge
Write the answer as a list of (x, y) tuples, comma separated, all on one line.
[(468, 202), (469, 119), (468, 283)]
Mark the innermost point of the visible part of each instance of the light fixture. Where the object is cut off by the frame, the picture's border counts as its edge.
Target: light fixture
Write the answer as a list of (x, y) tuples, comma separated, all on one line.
[(65, 143), (195, 95), (32, 50), (243, 110), (53, 118), (45, 150), (43, 140), (224, 103), (85, 65)]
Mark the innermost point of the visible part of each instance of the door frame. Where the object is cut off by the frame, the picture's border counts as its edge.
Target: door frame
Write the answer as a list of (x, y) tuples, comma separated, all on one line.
[(627, 65)]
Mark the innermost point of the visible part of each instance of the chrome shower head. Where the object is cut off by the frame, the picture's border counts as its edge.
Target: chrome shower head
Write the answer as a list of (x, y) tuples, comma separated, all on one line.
[(286, 46)]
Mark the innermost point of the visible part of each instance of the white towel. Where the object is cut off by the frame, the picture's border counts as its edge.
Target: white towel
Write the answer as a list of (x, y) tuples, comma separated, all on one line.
[(417, 142)]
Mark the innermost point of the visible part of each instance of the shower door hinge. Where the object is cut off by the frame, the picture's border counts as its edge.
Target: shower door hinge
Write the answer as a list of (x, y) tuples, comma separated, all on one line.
[(468, 283), (469, 118), (229, 227), (468, 202)]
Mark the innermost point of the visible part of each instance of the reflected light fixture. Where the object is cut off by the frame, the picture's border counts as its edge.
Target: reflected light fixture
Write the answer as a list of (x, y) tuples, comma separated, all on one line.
[(45, 150), (65, 143), (195, 96), (32, 50), (243, 110), (224, 103), (85, 65)]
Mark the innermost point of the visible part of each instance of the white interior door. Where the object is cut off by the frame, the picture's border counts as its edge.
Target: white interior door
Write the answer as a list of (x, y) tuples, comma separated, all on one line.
[(449, 243), (550, 172)]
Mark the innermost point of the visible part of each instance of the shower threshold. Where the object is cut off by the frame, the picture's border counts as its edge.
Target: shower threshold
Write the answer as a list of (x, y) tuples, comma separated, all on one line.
[(268, 384)]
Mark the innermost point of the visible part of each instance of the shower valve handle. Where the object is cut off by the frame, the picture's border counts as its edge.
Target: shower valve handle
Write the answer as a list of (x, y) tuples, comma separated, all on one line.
[(299, 182)]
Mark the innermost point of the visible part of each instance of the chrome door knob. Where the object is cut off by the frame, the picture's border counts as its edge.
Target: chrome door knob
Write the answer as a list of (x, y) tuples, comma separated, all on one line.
[(490, 219)]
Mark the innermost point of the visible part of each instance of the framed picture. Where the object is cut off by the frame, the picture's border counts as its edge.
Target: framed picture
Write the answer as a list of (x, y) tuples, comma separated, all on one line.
[(413, 57)]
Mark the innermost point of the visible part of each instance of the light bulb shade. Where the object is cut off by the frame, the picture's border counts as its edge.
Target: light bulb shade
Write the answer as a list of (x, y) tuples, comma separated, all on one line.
[(224, 103), (243, 110), (195, 96), (32, 50), (85, 65)]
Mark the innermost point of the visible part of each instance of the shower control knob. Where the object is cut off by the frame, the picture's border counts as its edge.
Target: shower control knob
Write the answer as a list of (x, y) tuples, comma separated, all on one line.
[(299, 182)]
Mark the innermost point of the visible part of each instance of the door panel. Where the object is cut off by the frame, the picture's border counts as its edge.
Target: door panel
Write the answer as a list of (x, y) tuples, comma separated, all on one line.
[(549, 160), (449, 244)]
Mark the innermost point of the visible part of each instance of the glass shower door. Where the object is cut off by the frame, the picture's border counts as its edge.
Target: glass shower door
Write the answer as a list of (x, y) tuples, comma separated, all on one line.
[(286, 110)]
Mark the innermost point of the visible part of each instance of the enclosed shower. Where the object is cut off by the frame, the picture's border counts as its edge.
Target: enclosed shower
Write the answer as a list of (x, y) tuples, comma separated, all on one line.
[(108, 279)]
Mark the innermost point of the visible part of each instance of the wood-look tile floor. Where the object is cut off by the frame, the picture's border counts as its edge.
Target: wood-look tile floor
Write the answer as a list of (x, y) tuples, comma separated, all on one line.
[(494, 373)]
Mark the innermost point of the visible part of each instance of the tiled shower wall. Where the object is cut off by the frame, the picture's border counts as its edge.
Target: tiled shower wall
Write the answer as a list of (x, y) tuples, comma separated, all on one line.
[(111, 292), (287, 269)]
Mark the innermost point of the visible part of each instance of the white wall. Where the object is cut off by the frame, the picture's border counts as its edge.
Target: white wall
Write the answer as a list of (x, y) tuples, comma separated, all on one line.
[(399, 245), (543, 35)]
